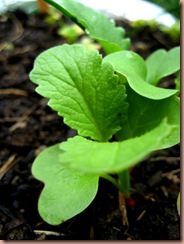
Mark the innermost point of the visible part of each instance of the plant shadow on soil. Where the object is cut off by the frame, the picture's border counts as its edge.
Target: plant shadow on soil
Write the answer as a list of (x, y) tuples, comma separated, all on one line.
[(28, 125)]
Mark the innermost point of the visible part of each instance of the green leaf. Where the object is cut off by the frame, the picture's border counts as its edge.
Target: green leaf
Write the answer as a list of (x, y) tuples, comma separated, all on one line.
[(145, 114), (66, 192), (82, 89), (161, 64), (133, 67), (96, 25), (112, 157)]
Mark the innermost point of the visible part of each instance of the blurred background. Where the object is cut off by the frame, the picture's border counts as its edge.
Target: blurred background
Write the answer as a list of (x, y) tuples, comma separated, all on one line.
[(164, 12)]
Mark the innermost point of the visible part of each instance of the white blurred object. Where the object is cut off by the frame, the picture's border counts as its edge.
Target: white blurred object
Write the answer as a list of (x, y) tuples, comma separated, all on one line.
[(128, 9), (132, 10), (9, 5)]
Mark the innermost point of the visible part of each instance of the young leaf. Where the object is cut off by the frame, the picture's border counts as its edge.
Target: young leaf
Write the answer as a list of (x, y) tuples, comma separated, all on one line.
[(112, 157), (145, 114), (66, 192), (161, 64), (97, 25), (133, 67), (82, 89)]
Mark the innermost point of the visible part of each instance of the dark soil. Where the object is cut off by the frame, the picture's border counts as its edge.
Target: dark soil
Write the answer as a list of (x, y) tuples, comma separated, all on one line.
[(27, 125)]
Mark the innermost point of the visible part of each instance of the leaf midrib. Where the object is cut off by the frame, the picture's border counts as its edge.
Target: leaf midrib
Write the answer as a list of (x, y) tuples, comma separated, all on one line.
[(92, 117)]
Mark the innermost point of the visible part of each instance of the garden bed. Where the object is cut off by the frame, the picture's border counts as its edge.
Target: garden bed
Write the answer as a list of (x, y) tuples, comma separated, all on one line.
[(28, 125)]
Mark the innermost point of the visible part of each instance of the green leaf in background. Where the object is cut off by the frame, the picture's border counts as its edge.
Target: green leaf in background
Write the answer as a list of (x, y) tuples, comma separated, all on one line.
[(97, 25), (133, 67), (66, 192), (112, 157), (178, 203), (161, 64), (177, 81), (82, 89), (70, 32), (145, 114)]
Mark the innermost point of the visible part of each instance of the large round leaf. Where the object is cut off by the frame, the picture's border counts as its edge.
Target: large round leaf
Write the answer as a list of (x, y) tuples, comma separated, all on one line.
[(112, 157)]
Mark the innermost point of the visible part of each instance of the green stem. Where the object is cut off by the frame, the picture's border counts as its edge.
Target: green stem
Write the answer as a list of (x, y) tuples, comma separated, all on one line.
[(112, 180), (65, 12), (124, 182)]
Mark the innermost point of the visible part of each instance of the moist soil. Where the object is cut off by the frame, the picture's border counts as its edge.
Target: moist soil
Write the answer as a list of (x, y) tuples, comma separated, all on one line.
[(28, 125)]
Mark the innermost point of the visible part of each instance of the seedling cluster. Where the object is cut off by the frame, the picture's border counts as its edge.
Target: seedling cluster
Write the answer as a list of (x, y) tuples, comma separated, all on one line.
[(115, 105)]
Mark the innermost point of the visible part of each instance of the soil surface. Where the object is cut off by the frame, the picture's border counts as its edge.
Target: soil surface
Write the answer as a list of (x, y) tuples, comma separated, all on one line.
[(28, 125)]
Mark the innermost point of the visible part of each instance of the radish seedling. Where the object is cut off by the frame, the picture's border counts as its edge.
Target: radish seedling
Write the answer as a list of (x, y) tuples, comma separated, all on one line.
[(113, 103)]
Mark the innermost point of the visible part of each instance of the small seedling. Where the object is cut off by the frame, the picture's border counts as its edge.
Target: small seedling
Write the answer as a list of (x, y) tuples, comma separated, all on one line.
[(114, 104)]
